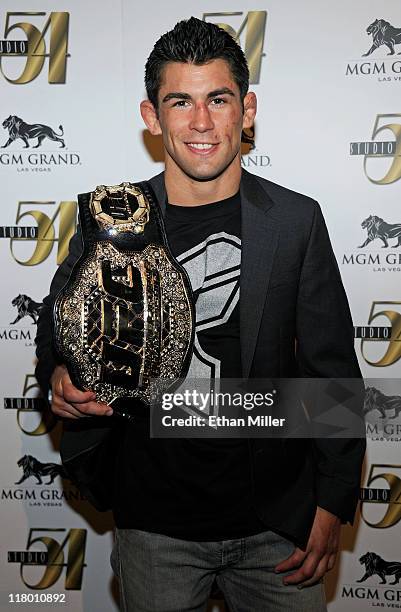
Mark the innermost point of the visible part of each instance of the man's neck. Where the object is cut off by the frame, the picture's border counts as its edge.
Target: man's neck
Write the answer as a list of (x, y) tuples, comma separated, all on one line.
[(185, 191)]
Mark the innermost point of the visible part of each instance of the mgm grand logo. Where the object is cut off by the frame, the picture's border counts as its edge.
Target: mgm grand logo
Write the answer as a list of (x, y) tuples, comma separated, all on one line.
[(33, 136), (377, 228), (384, 37), (382, 414), (377, 566), (36, 478), (378, 234), (26, 308), (380, 576), (382, 154), (250, 156), (32, 468)]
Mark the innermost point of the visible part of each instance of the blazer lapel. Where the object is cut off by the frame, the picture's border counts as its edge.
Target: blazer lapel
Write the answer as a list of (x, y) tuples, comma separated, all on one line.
[(259, 239), (157, 183)]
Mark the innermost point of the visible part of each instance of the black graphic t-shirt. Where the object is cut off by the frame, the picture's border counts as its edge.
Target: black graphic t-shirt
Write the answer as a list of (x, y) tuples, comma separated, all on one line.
[(196, 489)]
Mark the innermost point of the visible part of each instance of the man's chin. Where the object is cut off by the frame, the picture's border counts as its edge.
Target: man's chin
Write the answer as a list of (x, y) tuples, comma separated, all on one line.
[(203, 178), (204, 175)]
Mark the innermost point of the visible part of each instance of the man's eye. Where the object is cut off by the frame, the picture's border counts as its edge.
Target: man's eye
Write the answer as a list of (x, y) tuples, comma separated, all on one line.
[(218, 101), (181, 103)]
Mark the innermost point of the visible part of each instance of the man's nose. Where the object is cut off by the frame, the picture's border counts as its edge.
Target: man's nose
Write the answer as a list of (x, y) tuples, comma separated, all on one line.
[(201, 120)]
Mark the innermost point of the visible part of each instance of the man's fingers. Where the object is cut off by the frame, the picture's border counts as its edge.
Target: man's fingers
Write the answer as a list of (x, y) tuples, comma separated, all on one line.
[(305, 572), (70, 402), (72, 395), (294, 560), (93, 409), (66, 415), (321, 552), (317, 575), (61, 409), (332, 561), (58, 387), (64, 389)]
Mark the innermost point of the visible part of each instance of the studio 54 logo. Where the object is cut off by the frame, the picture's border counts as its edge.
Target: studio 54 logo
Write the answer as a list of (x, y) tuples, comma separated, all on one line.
[(40, 226), (29, 39), (248, 29), (30, 409), (382, 153), (58, 551), (380, 499), (382, 64), (380, 339)]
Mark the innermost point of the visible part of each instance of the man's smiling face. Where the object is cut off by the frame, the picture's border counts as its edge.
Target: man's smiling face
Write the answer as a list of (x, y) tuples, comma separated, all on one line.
[(201, 118)]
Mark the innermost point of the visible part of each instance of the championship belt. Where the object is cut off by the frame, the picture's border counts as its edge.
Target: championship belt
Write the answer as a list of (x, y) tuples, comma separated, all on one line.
[(125, 317)]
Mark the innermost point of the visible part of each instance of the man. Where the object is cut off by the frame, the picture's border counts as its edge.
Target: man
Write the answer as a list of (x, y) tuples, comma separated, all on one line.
[(261, 516)]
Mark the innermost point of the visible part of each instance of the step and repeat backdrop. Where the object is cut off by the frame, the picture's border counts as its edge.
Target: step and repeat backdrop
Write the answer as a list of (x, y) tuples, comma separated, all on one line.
[(328, 81)]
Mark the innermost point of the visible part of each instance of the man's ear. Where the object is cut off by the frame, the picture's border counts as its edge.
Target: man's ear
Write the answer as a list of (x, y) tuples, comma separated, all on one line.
[(250, 106), (149, 115)]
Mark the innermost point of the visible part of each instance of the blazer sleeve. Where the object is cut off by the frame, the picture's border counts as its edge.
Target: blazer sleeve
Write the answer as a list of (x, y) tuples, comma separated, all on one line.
[(45, 352), (325, 349)]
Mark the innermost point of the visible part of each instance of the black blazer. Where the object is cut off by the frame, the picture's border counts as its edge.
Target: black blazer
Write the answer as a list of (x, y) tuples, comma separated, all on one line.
[(294, 322)]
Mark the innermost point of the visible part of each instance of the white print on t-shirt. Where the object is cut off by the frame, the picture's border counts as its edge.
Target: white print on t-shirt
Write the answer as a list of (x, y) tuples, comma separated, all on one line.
[(213, 267)]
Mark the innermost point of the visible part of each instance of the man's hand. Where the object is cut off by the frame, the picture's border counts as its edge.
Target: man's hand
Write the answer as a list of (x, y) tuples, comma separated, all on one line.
[(320, 555), (69, 402)]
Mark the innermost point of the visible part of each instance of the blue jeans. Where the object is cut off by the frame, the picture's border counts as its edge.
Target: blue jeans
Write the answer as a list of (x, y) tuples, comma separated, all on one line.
[(162, 574)]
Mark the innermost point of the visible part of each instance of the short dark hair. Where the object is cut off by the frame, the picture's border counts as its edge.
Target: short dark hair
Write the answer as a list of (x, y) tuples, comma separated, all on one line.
[(199, 42)]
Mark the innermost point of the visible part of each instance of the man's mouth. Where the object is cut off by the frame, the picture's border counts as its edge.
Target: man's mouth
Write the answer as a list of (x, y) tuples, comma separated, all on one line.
[(201, 147)]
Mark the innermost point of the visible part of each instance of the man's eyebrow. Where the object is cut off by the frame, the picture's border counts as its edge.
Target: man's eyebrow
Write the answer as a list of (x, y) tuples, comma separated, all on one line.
[(220, 92), (180, 95)]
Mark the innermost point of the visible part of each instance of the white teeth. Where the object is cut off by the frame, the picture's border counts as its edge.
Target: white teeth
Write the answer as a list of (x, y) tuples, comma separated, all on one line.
[(200, 145)]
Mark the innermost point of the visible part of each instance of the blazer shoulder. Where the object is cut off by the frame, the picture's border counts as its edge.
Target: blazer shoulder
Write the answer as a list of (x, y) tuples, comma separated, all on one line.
[(284, 195), (293, 210)]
